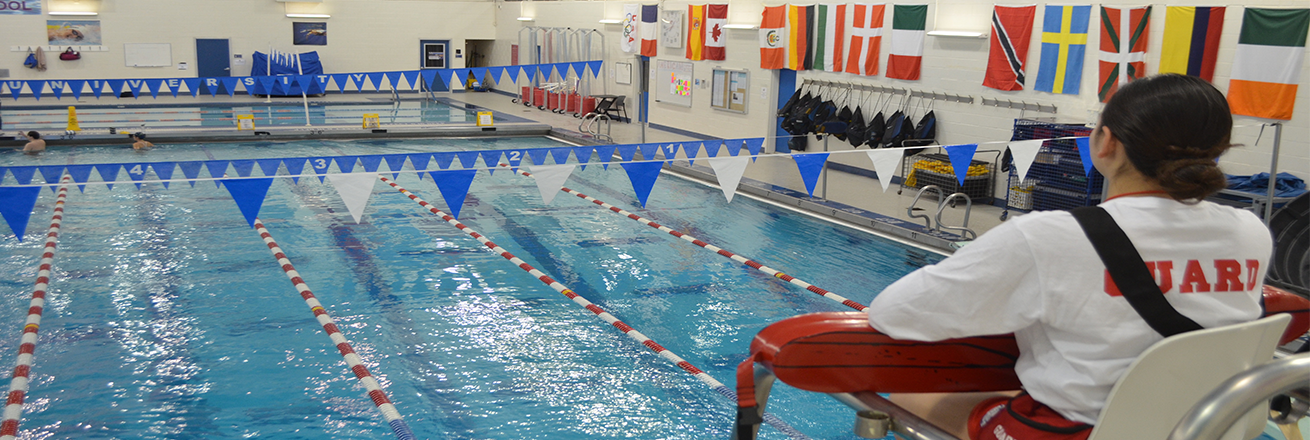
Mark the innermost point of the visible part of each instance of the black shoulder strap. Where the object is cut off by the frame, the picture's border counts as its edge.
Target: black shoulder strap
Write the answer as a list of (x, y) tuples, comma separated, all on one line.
[(1129, 272)]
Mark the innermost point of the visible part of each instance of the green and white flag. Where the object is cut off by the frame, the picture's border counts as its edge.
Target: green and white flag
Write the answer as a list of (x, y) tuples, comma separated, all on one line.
[(1268, 62), (908, 24), (830, 32)]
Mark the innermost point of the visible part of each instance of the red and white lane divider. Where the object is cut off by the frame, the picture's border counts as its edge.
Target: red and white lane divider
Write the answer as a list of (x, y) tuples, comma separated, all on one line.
[(601, 313), (712, 248), (353, 360), (18, 385)]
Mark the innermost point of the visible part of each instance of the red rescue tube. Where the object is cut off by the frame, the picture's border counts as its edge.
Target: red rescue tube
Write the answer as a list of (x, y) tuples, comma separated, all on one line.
[(1281, 301)]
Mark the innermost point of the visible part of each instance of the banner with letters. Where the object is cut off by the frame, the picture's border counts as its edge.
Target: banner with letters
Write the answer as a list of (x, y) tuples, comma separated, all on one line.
[(20, 7)]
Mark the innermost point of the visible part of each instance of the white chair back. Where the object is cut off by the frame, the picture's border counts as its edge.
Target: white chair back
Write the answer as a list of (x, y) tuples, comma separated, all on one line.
[(1172, 375)]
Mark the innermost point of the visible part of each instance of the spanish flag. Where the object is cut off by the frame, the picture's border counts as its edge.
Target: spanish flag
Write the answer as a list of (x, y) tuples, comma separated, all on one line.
[(1268, 62), (1191, 40), (773, 38), (695, 32)]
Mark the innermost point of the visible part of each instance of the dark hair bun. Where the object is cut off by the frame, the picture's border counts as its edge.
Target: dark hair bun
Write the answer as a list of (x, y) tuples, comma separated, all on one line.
[(1186, 179)]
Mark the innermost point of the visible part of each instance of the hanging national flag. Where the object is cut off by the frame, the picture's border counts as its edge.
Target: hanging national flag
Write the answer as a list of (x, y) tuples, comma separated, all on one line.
[(1268, 62), (650, 29), (1191, 40), (1012, 28), (773, 38), (1123, 47), (829, 36), (716, 36), (631, 19), (1064, 44), (799, 33), (908, 22), (696, 32), (866, 39)]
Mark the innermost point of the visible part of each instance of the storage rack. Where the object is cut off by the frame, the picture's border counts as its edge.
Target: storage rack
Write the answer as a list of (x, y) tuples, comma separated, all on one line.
[(1056, 180), (980, 189)]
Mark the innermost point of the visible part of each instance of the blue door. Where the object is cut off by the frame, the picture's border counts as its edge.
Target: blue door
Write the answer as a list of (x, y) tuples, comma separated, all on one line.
[(435, 54), (212, 59)]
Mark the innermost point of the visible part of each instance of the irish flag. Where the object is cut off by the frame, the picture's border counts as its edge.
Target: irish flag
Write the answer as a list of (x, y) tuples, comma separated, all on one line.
[(696, 32), (906, 56), (830, 30), (1268, 62), (773, 38)]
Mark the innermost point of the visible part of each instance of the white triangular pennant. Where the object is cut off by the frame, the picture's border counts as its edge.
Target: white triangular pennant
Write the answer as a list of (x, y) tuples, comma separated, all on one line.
[(355, 190), (728, 170), (885, 163), (550, 178), (1024, 152)]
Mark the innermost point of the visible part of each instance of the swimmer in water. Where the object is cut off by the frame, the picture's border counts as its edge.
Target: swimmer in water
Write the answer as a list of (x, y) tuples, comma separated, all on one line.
[(141, 142), (64, 33), (34, 142), (315, 32)]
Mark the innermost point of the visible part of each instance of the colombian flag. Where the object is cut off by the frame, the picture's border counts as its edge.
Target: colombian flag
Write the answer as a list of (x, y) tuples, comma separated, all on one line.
[(1191, 40), (695, 32)]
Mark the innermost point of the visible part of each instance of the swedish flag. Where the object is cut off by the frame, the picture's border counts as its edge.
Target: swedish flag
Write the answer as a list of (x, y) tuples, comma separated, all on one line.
[(1064, 46)]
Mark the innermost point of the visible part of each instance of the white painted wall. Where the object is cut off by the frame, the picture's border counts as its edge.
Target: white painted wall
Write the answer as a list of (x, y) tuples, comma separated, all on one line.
[(951, 65), (363, 35)]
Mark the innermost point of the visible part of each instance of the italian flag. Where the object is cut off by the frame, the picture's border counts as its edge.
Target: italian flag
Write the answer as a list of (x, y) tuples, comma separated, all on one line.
[(908, 23), (830, 30), (1268, 62)]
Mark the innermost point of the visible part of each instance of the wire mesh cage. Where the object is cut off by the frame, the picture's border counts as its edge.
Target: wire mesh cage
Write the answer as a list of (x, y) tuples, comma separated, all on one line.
[(935, 169), (1056, 180)]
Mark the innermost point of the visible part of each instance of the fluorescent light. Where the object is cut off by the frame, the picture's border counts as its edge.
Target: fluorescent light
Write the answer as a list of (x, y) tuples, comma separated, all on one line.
[(740, 26), (73, 13), (308, 16), (526, 19), (611, 21), (964, 34)]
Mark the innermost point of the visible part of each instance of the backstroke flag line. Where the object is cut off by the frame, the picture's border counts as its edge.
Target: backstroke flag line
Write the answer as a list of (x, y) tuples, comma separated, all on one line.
[(1268, 62), (1124, 33), (906, 57), (1191, 40), (1064, 45), (866, 39), (1012, 29)]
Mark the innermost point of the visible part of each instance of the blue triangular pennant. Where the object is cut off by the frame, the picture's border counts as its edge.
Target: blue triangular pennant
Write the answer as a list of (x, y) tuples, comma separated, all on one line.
[(212, 85), (514, 72), (460, 75), (538, 155), (75, 87), (626, 152), (961, 158), (108, 173), (269, 166), (174, 86), (691, 149), (479, 74), (394, 163), (579, 68), (341, 80), (192, 85), (116, 86), (306, 82), (57, 88), (754, 145), (733, 146), (243, 167), (443, 160), (16, 207), (51, 173), (420, 162), (393, 78), (712, 148), (266, 83), (467, 159), (606, 153), (217, 170), (23, 174), (37, 87), (137, 172), (648, 151), (515, 157), (79, 173), (295, 167), (454, 186), (230, 83), (492, 159), (561, 154), (189, 169), (595, 68), (411, 77), (346, 163), (154, 85), (135, 86), (810, 165), (371, 162), (15, 88), (444, 78), (583, 154), (164, 170), (643, 176), (376, 79), (496, 73), (670, 150), (249, 195), (1084, 153), (430, 78), (320, 166)]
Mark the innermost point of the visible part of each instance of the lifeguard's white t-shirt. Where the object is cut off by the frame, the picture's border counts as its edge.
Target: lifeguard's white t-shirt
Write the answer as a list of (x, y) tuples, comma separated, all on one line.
[(1039, 277)]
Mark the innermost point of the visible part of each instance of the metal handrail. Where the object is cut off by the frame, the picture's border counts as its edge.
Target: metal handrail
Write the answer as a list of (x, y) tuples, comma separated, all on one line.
[(964, 228), (941, 195), (1217, 411)]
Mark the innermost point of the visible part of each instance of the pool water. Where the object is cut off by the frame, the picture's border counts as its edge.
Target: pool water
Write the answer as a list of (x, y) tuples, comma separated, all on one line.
[(282, 112), (167, 316)]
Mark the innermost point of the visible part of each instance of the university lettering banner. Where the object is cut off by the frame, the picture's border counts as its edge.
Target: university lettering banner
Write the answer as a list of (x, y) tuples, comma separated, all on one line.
[(20, 7), (1012, 28)]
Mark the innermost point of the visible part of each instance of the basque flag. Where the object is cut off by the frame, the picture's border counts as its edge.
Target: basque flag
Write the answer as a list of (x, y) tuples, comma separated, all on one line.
[(1191, 40), (649, 29), (1012, 27), (1123, 47)]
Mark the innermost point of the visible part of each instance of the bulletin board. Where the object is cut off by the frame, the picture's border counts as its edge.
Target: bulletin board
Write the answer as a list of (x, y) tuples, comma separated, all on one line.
[(148, 54), (728, 90), (672, 82)]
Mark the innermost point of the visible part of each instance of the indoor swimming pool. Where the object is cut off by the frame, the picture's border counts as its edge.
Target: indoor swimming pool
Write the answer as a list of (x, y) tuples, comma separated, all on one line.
[(167, 317), (283, 112)]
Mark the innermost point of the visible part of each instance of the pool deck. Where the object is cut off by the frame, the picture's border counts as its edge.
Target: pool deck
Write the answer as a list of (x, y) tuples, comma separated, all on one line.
[(848, 193)]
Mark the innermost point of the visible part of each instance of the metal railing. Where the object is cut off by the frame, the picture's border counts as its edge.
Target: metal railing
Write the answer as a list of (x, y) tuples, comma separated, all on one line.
[(1211, 417)]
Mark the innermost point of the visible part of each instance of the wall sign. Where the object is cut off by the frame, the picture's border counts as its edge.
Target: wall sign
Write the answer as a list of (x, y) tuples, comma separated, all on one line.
[(20, 7), (672, 82), (728, 90)]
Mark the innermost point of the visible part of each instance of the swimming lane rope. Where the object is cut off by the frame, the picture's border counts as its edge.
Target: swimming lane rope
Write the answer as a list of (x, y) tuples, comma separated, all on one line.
[(353, 360), (712, 248), (18, 385), (601, 313)]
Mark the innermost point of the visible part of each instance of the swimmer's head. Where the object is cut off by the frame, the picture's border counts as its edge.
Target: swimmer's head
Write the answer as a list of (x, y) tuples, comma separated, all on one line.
[(75, 34), (139, 136), (34, 135), (1173, 128)]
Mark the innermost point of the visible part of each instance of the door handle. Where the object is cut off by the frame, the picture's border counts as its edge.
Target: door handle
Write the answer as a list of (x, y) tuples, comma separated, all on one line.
[(227, 68)]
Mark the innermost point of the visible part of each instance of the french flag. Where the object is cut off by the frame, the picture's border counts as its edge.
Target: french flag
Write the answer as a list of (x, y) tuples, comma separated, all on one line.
[(649, 29)]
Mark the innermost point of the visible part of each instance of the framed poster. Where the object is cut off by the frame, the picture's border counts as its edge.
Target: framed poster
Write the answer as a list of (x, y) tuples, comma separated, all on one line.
[(434, 54), (728, 90), (671, 28), (672, 82), (309, 34), (623, 73)]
